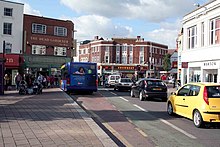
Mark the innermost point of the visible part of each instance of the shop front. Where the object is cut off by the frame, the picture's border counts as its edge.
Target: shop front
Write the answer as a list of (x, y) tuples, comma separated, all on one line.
[(208, 71), (46, 65)]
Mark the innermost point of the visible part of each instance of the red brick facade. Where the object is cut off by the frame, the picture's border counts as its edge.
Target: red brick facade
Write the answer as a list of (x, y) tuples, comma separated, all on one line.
[(86, 52)]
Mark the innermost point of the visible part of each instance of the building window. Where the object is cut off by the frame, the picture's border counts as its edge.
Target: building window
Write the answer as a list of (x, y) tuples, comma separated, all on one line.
[(60, 31), (38, 28), (131, 55), (124, 55), (192, 37), (7, 28), (215, 31), (39, 49), (202, 34), (117, 54), (59, 51), (8, 47), (141, 55), (106, 54), (8, 11)]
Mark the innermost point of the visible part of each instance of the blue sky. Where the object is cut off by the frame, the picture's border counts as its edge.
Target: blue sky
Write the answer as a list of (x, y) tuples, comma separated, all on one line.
[(154, 20)]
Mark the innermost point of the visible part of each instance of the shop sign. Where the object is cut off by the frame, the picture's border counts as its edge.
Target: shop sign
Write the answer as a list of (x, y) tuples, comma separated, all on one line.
[(12, 60), (210, 65), (125, 67), (184, 64)]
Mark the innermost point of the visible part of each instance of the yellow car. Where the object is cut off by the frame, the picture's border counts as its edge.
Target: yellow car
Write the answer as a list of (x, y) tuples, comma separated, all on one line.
[(197, 101)]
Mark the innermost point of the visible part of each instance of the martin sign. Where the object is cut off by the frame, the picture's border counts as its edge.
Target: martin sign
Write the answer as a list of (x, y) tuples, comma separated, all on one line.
[(210, 65)]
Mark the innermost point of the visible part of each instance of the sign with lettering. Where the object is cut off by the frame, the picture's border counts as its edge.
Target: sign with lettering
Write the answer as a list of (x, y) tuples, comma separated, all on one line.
[(210, 65), (184, 64), (62, 42), (12, 60)]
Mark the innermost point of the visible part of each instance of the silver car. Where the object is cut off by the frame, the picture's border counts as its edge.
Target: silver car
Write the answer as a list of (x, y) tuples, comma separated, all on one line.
[(123, 84)]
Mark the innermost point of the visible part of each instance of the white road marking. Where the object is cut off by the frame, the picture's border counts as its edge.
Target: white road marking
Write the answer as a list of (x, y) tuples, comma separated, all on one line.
[(123, 99), (178, 129), (113, 93), (140, 108), (169, 124)]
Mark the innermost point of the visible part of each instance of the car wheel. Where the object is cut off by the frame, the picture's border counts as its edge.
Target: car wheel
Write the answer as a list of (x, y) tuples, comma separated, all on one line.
[(170, 109), (114, 88), (141, 96), (197, 119), (132, 93)]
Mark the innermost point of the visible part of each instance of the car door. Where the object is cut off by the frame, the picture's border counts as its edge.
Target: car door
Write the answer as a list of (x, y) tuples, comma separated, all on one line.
[(179, 101), (191, 100), (136, 88)]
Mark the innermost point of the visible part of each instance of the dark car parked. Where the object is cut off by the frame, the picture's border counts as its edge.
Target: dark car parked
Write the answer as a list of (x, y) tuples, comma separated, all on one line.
[(123, 84), (149, 88)]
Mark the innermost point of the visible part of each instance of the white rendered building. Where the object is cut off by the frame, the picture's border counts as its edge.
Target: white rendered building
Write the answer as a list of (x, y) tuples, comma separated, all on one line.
[(200, 54), (11, 18)]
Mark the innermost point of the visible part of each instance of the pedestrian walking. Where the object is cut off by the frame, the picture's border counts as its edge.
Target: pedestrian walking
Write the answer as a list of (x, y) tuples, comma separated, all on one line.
[(18, 79)]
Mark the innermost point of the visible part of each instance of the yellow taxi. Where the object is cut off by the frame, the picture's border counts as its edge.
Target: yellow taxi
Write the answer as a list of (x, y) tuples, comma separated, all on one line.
[(199, 102)]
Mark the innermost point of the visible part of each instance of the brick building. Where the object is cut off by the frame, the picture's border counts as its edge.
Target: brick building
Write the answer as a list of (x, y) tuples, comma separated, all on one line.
[(124, 55), (47, 43)]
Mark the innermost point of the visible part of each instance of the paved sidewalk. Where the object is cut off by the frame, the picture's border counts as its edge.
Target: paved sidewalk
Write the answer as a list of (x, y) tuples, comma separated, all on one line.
[(49, 119)]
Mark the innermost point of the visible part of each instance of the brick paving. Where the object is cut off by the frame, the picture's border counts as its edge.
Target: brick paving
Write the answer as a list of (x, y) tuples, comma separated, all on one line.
[(49, 119)]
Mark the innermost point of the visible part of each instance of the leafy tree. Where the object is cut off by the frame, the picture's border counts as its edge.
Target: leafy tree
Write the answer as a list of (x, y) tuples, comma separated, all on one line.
[(166, 62)]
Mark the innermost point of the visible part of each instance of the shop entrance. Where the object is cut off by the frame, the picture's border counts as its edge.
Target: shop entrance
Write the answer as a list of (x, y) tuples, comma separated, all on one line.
[(211, 75)]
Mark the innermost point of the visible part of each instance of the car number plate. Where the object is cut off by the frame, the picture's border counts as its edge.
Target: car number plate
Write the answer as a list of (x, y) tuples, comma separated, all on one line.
[(157, 89)]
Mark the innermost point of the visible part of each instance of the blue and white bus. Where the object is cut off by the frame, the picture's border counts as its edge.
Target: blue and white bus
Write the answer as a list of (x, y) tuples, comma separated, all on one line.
[(79, 76)]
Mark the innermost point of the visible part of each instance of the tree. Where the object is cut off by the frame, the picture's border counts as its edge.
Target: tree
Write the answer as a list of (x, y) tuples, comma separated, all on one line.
[(166, 62)]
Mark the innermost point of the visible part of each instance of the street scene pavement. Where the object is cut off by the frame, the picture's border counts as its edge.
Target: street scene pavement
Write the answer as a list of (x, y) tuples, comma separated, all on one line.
[(48, 119)]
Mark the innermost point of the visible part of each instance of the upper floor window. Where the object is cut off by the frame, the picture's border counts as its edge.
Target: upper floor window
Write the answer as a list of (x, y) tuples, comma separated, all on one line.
[(59, 51), (8, 11), (8, 47), (215, 31), (39, 49), (192, 37), (60, 31), (202, 34), (38, 28), (7, 28), (117, 54)]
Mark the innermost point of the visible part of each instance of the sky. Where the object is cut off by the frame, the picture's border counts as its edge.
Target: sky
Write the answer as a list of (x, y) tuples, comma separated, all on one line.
[(154, 20)]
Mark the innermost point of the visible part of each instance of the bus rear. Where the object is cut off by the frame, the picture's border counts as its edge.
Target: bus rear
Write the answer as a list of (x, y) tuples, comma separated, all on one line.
[(82, 76)]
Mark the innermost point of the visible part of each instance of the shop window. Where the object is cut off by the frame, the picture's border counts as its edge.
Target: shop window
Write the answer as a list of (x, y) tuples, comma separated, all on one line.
[(39, 49), (59, 51)]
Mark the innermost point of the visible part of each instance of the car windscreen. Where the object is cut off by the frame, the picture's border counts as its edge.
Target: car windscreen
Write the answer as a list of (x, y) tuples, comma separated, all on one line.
[(213, 91), (155, 83), (126, 80)]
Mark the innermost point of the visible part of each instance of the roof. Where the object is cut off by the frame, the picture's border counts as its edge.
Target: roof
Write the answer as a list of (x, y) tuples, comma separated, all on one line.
[(171, 51), (205, 84)]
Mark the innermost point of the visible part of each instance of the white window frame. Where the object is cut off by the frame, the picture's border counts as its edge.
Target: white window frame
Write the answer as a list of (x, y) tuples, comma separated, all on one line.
[(118, 54), (202, 34), (141, 55), (39, 28), (131, 55), (213, 31), (38, 49), (124, 54), (106, 58), (8, 11), (7, 28), (60, 31), (192, 37), (60, 51), (8, 47)]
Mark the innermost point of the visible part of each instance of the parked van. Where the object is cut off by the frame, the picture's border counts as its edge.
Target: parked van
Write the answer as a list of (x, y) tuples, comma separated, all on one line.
[(110, 82)]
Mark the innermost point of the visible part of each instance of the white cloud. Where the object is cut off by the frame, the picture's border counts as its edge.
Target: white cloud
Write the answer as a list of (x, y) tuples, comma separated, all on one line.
[(149, 10), (29, 10), (92, 25), (166, 34)]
